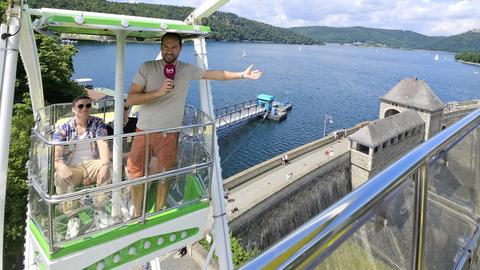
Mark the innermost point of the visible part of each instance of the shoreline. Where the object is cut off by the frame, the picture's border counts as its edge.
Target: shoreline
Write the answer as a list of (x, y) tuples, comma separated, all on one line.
[(468, 63)]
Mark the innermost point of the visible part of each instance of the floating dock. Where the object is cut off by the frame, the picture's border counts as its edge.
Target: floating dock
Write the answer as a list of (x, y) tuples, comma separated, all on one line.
[(263, 106)]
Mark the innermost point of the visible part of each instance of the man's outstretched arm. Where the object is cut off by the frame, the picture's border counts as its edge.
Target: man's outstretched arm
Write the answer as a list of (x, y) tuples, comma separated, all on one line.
[(221, 75)]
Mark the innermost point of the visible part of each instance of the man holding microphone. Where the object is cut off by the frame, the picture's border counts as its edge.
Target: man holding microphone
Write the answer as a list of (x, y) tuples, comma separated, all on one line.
[(161, 88)]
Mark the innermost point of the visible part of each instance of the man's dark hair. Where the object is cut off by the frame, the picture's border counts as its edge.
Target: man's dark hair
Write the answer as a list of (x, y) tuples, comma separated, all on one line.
[(175, 35), (79, 98)]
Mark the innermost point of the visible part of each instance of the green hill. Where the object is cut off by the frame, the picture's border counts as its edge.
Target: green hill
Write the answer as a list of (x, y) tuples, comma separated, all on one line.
[(225, 26), (469, 41), (369, 36)]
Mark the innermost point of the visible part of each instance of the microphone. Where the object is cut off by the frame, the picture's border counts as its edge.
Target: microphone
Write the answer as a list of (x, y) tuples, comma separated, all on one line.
[(169, 71)]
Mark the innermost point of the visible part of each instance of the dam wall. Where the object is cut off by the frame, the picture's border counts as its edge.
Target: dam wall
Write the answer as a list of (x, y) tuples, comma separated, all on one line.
[(280, 214), (252, 172)]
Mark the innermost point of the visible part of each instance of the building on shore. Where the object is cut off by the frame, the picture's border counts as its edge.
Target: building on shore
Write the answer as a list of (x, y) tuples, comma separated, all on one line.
[(413, 94), (410, 113), (383, 141)]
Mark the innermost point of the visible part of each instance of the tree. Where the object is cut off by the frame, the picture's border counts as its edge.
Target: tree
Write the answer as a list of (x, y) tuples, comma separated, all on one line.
[(56, 66), (17, 187), (470, 57)]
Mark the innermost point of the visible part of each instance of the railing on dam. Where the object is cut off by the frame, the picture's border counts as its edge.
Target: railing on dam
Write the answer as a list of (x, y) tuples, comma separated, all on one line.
[(423, 212)]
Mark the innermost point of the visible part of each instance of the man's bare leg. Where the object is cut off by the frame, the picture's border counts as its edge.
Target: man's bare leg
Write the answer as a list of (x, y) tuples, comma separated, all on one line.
[(136, 192), (162, 195)]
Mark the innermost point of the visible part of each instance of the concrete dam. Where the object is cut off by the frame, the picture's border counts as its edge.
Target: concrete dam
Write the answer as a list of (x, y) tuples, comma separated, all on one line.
[(286, 210)]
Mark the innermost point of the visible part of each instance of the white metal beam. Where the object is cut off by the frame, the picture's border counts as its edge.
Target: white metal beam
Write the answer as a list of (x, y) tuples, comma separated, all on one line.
[(118, 118), (31, 63), (205, 10), (7, 84), (220, 222)]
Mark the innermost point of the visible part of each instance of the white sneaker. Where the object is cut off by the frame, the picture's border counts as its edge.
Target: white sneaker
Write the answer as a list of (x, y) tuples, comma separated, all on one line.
[(73, 228), (103, 219), (131, 210), (126, 215)]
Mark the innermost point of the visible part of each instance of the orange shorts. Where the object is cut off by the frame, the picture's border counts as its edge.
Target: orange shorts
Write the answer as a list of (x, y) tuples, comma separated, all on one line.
[(161, 145)]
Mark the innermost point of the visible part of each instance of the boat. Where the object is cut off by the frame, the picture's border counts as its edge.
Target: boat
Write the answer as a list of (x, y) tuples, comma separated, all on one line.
[(436, 57), (244, 54), (84, 82), (283, 105), (68, 41)]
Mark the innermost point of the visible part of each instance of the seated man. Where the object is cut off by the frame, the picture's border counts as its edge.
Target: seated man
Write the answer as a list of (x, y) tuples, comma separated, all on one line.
[(85, 162), (129, 126), (129, 123)]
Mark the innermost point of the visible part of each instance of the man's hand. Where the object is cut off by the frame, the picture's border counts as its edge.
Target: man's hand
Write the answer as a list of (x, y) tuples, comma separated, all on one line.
[(165, 88), (251, 74), (65, 172), (102, 175)]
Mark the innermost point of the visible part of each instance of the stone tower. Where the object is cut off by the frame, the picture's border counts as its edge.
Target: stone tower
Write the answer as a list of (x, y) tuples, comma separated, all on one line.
[(380, 143), (413, 94)]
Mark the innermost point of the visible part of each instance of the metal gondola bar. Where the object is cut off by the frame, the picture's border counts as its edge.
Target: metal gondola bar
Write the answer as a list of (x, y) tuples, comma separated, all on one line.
[(114, 186)]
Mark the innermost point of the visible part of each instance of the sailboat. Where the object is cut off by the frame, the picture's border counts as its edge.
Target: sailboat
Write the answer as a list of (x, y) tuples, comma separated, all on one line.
[(436, 57), (244, 54)]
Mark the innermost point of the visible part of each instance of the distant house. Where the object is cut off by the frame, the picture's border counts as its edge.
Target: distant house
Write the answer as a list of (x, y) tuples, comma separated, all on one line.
[(85, 82), (101, 100)]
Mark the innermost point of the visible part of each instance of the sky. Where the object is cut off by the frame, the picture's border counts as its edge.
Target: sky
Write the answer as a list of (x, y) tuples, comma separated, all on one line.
[(428, 17)]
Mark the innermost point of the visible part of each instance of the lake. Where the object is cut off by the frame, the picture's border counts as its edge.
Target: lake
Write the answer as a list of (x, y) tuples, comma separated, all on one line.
[(344, 82)]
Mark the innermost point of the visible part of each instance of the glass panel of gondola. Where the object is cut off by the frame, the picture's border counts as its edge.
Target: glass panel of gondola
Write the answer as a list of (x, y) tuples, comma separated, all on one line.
[(382, 238), (453, 205)]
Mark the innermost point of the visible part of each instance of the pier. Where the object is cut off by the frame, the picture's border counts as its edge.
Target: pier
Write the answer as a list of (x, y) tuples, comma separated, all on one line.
[(234, 114), (263, 106)]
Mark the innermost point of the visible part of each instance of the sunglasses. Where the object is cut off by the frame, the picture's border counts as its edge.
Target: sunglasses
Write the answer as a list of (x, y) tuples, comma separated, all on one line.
[(87, 106)]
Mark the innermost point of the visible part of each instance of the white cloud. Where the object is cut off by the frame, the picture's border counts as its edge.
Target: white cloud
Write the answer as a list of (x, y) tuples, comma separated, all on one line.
[(430, 17)]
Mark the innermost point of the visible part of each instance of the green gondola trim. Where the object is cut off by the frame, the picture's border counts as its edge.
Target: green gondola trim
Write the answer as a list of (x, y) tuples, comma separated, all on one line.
[(142, 248), (109, 26), (110, 235)]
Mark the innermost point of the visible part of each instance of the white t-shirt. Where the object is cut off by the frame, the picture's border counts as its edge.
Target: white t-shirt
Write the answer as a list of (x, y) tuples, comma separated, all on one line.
[(82, 151), (165, 111)]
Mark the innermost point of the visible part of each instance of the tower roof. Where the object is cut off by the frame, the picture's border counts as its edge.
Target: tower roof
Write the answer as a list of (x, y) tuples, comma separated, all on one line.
[(414, 93), (384, 129)]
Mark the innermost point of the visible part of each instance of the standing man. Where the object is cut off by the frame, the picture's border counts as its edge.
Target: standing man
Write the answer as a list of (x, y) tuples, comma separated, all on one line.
[(162, 103)]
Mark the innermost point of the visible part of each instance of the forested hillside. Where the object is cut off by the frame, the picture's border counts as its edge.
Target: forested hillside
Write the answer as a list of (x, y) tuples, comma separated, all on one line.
[(469, 41), (369, 36)]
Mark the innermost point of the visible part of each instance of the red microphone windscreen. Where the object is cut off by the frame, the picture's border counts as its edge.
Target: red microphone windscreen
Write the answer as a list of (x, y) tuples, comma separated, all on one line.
[(169, 71)]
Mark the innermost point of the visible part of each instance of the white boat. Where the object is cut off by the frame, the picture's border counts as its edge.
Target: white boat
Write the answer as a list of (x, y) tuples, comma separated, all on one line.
[(244, 54), (436, 57)]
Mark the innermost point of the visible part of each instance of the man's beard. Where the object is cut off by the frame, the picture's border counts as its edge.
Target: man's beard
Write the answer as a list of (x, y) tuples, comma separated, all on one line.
[(166, 59)]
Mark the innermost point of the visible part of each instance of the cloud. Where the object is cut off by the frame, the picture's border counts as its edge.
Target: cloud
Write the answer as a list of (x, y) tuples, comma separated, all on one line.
[(430, 17)]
